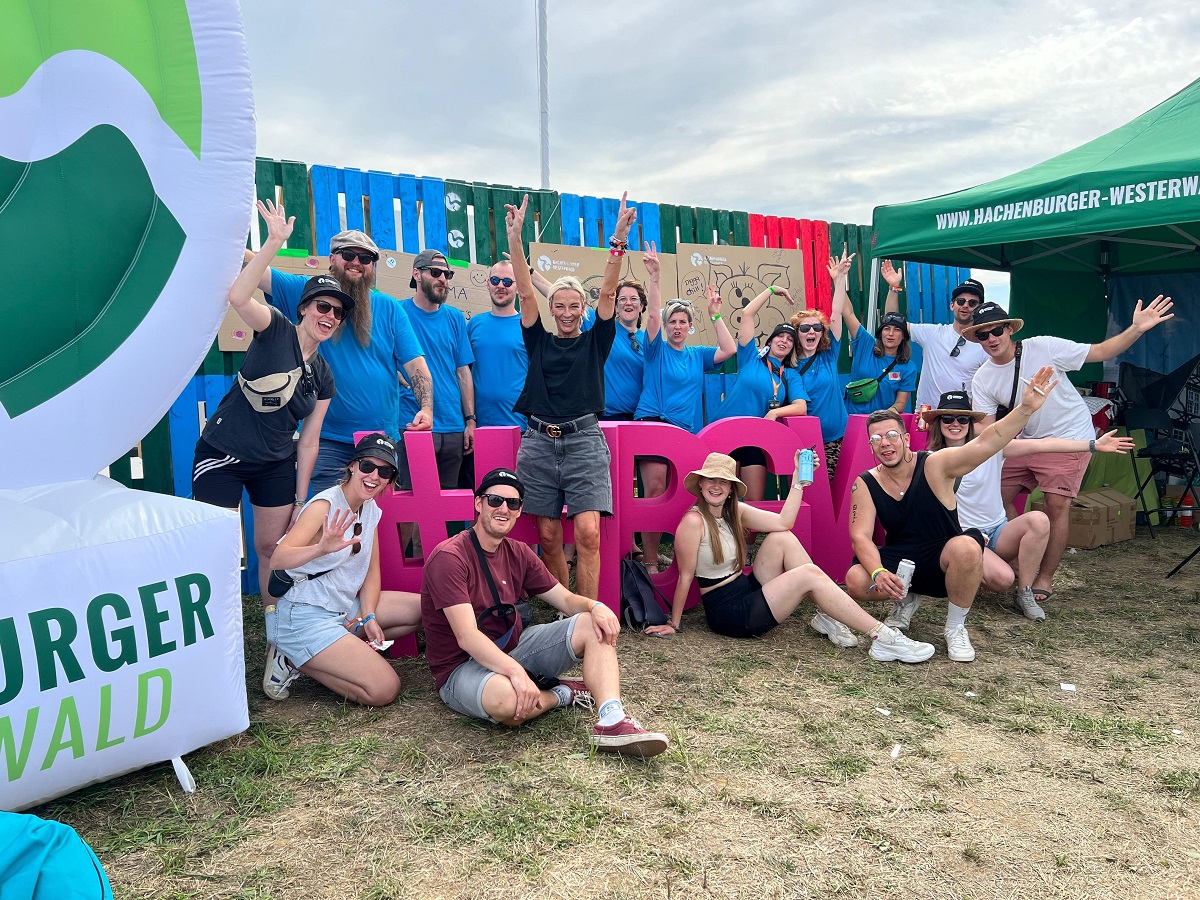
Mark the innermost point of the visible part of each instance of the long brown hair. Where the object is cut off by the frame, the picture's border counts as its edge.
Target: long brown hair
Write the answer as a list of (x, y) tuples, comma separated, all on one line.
[(937, 440), (731, 513)]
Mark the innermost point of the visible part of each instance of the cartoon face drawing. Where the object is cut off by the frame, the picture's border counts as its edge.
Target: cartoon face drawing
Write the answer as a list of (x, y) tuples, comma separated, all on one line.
[(738, 289)]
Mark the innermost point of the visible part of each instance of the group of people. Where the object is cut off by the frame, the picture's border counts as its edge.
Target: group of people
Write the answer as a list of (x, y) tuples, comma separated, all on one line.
[(947, 510)]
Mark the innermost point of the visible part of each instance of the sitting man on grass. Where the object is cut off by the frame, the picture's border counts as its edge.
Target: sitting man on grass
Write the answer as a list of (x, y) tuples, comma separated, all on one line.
[(483, 661)]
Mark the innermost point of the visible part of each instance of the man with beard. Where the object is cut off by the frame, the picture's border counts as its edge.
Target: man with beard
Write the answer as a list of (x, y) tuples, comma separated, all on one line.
[(366, 363), (442, 331), (912, 496), (949, 359), (1059, 475), (485, 664)]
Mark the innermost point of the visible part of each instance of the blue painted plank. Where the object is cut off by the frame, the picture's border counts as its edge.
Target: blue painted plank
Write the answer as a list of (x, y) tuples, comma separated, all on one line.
[(325, 205), (648, 216), (383, 210), (591, 221), (609, 208), (250, 573), (185, 431), (571, 206), (912, 284), (407, 190), (928, 313), (356, 186), (433, 205)]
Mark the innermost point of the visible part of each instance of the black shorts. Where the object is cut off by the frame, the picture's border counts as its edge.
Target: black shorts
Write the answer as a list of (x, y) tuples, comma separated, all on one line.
[(219, 478), (749, 456), (447, 450), (617, 417), (928, 578), (739, 609)]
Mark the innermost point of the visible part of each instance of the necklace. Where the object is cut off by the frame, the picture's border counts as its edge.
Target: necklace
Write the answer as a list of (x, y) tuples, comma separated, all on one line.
[(896, 484)]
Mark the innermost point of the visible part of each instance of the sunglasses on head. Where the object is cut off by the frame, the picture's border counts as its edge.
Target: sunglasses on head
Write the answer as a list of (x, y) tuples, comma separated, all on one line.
[(892, 436), (324, 307), (495, 501), (351, 255), (966, 301), (438, 273), (991, 332), (386, 472), (804, 329), (495, 280), (950, 420)]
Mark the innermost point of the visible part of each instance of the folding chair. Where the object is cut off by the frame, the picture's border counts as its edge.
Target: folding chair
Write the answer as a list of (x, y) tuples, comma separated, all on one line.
[(1168, 455)]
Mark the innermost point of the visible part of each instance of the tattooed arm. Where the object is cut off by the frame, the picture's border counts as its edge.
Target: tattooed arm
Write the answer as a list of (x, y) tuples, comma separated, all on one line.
[(421, 383)]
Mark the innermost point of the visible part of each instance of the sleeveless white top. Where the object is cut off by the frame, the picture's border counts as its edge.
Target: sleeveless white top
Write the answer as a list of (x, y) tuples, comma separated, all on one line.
[(338, 588), (705, 567)]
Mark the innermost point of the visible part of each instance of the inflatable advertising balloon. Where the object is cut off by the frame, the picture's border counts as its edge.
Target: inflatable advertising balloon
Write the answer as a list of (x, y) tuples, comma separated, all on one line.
[(126, 182)]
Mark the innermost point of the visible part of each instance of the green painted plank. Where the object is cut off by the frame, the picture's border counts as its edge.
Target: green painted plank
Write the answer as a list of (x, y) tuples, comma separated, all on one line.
[(668, 221), (741, 229), (705, 223), (214, 361), (297, 200), (264, 189), (549, 216), (156, 458), (724, 226), (502, 194), (481, 200), (458, 198), (119, 470), (687, 224)]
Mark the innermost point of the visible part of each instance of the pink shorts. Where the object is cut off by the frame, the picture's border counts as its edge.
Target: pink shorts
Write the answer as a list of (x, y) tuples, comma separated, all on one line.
[(1054, 473)]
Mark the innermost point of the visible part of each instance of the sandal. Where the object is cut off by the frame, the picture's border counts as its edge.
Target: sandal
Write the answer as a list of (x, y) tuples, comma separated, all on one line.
[(1042, 596)]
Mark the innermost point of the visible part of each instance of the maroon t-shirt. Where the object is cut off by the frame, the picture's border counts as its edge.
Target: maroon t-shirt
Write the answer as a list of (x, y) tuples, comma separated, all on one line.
[(452, 576)]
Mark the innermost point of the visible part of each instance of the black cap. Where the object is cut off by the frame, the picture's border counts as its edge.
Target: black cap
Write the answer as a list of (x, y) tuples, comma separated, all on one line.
[(424, 260), (783, 328), (894, 319), (378, 446), (970, 286), (500, 476), (326, 286)]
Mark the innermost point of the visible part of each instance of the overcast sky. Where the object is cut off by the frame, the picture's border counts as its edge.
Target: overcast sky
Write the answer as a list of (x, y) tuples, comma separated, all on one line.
[(818, 111)]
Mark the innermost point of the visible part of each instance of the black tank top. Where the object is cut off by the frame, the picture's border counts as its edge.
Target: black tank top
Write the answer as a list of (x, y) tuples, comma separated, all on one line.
[(918, 516)]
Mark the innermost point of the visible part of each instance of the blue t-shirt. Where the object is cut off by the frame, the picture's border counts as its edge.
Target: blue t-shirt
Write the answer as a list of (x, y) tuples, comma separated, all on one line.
[(443, 334), (825, 392), (903, 376), (623, 372), (367, 378), (500, 366), (755, 385), (673, 381)]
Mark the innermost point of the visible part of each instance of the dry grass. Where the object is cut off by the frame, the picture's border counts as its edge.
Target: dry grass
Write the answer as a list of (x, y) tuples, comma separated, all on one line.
[(781, 781)]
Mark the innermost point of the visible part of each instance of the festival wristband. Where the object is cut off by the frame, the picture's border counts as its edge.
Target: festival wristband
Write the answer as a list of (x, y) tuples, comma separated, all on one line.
[(1092, 446), (875, 574), (717, 316), (771, 289)]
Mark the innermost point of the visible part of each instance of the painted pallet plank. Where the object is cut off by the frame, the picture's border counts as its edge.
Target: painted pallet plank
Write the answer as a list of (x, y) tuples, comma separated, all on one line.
[(741, 228), (433, 213), (705, 225), (723, 224), (668, 224), (649, 217), (572, 210), (184, 432), (687, 224), (758, 230), (771, 230), (264, 189), (789, 233), (250, 573), (810, 276), (550, 223), (156, 458), (609, 208), (326, 220), (820, 262), (458, 200), (481, 202), (912, 291), (592, 215), (298, 202), (354, 183), (381, 193)]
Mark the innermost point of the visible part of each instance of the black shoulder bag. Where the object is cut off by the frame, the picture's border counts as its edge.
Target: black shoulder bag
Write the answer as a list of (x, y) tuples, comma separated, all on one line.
[(1002, 411)]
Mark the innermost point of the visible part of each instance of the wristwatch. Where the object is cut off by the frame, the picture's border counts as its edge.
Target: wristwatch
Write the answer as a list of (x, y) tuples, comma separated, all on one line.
[(470, 417)]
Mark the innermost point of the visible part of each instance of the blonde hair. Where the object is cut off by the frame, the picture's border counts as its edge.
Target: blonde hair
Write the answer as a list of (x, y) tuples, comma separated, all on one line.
[(731, 513), (677, 305), (569, 283)]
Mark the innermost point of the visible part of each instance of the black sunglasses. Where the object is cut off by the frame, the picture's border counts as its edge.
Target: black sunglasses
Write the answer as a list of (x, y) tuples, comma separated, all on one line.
[(804, 329), (386, 472), (324, 306), (357, 533), (438, 273), (962, 342), (633, 342), (495, 280), (495, 500), (991, 332), (950, 420), (351, 255), (966, 301)]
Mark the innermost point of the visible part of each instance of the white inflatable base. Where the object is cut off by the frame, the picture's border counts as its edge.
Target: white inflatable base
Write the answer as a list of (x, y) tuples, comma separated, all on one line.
[(120, 634)]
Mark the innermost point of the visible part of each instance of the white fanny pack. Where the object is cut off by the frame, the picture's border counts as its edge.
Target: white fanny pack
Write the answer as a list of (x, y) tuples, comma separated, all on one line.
[(270, 393)]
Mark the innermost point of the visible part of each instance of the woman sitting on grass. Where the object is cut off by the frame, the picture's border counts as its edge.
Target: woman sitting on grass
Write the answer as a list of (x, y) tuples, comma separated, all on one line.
[(708, 547)]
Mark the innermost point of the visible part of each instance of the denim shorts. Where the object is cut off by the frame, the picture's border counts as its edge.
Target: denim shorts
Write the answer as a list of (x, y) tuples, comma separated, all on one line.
[(543, 650), (993, 534), (301, 630), (571, 470)]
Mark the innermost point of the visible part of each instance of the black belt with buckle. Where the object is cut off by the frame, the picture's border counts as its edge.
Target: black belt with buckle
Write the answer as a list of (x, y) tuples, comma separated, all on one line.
[(561, 429)]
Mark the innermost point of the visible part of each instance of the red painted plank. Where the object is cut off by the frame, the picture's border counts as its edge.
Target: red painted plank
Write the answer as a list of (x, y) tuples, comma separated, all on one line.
[(820, 247), (810, 274), (758, 230), (772, 231), (789, 233)]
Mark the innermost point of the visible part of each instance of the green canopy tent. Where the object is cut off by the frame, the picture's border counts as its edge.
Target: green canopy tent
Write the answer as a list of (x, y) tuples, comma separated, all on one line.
[(1125, 203)]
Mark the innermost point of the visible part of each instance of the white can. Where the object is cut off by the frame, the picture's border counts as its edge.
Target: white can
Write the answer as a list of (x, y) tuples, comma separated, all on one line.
[(904, 571)]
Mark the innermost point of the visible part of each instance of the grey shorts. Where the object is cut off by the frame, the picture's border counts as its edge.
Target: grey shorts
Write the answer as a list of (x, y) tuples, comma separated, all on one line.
[(448, 450), (543, 650), (301, 630), (571, 470)]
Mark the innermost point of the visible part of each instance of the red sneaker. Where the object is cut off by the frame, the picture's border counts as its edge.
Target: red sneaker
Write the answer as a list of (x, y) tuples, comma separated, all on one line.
[(628, 738), (580, 695)]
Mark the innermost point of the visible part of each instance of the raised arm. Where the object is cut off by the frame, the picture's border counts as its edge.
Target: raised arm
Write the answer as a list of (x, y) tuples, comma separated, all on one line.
[(1156, 313), (258, 269), (653, 289), (606, 305), (514, 221), (893, 277), (839, 271), (725, 345), (763, 520), (748, 327), (849, 317), (1107, 443)]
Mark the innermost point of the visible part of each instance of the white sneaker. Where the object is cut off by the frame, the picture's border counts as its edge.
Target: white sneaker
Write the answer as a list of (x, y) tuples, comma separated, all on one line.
[(903, 611), (958, 645), (1029, 607), (278, 674), (891, 645), (838, 633)]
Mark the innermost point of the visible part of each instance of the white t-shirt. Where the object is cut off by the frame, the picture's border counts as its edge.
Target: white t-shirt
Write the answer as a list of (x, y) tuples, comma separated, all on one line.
[(979, 502), (1064, 414), (941, 372)]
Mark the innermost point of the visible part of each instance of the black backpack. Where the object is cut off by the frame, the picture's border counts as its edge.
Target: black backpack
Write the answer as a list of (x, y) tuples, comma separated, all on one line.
[(639, 608)]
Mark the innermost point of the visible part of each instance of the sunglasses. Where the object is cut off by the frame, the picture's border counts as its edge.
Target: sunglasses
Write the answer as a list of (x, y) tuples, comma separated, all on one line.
[(495, 501), (950, 420), (892, 436), (962, 342), (324, 307), (351, 255), (991, 332), (495, 280), (966, 301), (438, 273), (805, 329), (357, 533), (386, 472), (633, 342)]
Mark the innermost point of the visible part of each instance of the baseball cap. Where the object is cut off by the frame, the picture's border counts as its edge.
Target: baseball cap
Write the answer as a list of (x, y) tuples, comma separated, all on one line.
[(326, 286), (378, 446), (424, 260), (500, 476), (970, 286)]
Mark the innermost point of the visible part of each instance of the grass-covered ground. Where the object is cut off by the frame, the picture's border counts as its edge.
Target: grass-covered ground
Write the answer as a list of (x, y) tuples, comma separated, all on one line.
[(797, 769)]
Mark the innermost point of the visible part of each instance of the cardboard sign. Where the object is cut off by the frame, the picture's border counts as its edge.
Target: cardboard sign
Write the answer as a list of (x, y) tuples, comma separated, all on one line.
[(740, 274), (553, 261)]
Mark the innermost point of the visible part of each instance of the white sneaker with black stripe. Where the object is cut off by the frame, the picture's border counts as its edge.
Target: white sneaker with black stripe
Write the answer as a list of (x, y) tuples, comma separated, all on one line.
[(278, 674)]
